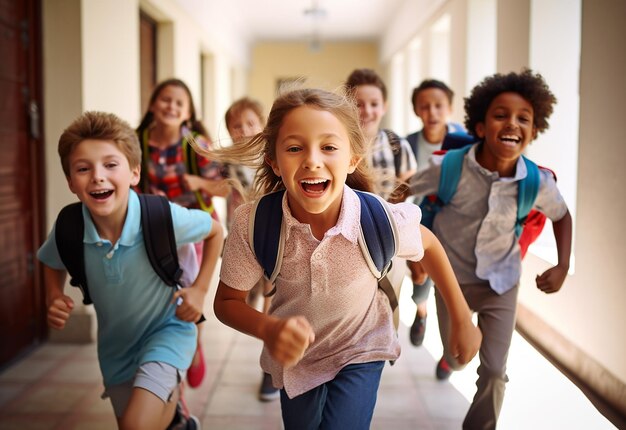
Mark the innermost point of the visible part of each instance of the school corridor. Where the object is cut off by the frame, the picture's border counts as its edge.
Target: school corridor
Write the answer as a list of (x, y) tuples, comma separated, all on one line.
[(58, 386), (61, 58)]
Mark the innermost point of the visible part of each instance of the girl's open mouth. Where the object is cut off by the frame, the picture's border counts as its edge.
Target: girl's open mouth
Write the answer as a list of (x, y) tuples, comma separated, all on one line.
[(314, 186)]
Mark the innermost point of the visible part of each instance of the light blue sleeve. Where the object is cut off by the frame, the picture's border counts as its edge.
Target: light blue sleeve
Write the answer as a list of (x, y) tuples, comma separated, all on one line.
[(48, 253), (190, 225)]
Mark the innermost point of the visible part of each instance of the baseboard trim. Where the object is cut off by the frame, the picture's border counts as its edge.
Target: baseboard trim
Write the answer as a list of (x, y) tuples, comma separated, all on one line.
[(602, 388)]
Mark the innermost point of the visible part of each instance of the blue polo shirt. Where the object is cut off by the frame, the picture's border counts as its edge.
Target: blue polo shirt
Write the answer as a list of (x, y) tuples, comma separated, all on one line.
[(136, 319)]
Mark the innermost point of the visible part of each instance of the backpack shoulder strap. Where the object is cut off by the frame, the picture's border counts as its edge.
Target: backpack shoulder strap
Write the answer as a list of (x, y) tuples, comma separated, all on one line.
[(69, 233), (451, 167), (396, 148), (378, 233), (377, 240), (189, 155), (413, 139), (266, 233), (159, 238), (455, 140), (190, 158), (527, 191)]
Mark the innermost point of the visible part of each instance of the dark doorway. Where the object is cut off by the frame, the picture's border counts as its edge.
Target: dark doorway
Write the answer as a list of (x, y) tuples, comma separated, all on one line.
[(147, 60), (22, 310)]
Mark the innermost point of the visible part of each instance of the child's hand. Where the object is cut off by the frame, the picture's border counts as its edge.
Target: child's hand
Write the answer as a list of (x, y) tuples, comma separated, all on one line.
[(400, 193), (157, 191), (418, 273), (59, 311), (192, 303), (465, 340), (552, 279), (289, 339), (192, 182)]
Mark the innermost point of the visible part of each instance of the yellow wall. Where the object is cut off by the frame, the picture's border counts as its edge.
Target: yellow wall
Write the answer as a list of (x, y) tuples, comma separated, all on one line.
[(327, 68)]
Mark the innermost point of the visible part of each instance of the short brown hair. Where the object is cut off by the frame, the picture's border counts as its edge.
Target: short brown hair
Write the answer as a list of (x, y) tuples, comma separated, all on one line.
[(99, 126), (365, 77), (428, 84), (241, 105)]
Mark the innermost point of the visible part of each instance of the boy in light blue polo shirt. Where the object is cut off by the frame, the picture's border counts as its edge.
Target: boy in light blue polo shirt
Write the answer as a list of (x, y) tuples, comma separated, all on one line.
[(144, 340)]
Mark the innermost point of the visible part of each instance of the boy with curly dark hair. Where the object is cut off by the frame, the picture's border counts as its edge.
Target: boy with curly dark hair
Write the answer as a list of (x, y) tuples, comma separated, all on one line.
[(477, 226)]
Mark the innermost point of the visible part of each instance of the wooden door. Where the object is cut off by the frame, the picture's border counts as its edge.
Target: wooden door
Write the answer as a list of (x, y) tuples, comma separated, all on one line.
[(22, 314)]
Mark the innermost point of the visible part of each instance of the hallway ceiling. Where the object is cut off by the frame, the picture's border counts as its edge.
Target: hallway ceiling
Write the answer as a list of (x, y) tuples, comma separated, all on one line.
[(255, 20)]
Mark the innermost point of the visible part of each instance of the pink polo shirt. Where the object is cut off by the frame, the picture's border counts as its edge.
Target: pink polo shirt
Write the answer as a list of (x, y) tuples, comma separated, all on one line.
[(329, 283)]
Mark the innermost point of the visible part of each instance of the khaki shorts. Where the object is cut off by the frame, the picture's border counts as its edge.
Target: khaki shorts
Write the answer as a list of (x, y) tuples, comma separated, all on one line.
[(161, 379)]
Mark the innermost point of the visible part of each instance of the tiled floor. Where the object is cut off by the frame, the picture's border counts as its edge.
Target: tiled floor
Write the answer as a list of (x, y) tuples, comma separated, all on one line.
[(58, 387)]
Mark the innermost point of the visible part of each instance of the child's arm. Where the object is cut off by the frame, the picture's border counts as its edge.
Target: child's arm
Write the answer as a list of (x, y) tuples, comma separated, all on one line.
[(193, 297), (286, 339), (214, 187), (465, 337), (58, 304), (552, 279)]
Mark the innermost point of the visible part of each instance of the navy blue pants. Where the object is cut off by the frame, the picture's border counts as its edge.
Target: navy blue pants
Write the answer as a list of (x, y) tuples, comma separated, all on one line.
[(346, 402)]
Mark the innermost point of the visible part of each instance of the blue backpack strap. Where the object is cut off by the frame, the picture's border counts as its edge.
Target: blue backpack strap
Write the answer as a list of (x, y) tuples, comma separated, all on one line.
[(377, 240), (69, 232), (377, 232), (266, 233), (527, 191), (451, 167)]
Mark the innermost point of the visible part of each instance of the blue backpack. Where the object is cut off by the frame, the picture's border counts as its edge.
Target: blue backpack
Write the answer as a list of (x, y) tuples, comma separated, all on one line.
[(377, 239), (451, 167)]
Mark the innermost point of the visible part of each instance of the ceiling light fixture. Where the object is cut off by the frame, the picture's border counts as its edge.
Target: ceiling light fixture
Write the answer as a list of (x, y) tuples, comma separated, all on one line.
[(316, 14)]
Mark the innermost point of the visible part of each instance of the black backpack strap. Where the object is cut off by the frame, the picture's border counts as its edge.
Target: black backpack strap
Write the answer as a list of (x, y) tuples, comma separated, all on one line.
[(413, 138), (69, 233), (457, 140), (378, 234), (159, 238), (266, 234), (396, 148)]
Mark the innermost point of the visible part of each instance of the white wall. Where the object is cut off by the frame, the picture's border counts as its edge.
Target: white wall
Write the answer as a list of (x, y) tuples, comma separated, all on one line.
[(584, 65), (110, 65)]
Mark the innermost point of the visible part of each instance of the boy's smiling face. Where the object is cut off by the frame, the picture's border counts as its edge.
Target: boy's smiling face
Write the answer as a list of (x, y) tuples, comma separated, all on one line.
[(245, 124), (101, 178), (372, 108), (433, 108), (508, 128)]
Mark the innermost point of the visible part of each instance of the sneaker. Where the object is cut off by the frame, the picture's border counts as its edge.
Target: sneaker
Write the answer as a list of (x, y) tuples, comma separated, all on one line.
[(443, 370), (268, 392), (418, 330), (182, 421), (195, 374), (193, 423)]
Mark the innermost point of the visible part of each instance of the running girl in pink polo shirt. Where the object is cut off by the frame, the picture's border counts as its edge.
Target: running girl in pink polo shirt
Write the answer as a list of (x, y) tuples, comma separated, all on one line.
[(329, 329)]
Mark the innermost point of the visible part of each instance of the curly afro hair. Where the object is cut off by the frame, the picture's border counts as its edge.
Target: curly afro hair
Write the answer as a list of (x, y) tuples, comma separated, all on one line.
[(531, 86)]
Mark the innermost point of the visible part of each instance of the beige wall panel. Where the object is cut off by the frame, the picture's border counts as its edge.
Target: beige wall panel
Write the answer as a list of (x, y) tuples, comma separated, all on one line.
[(110, 36), (590, 310), (327, 68)]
